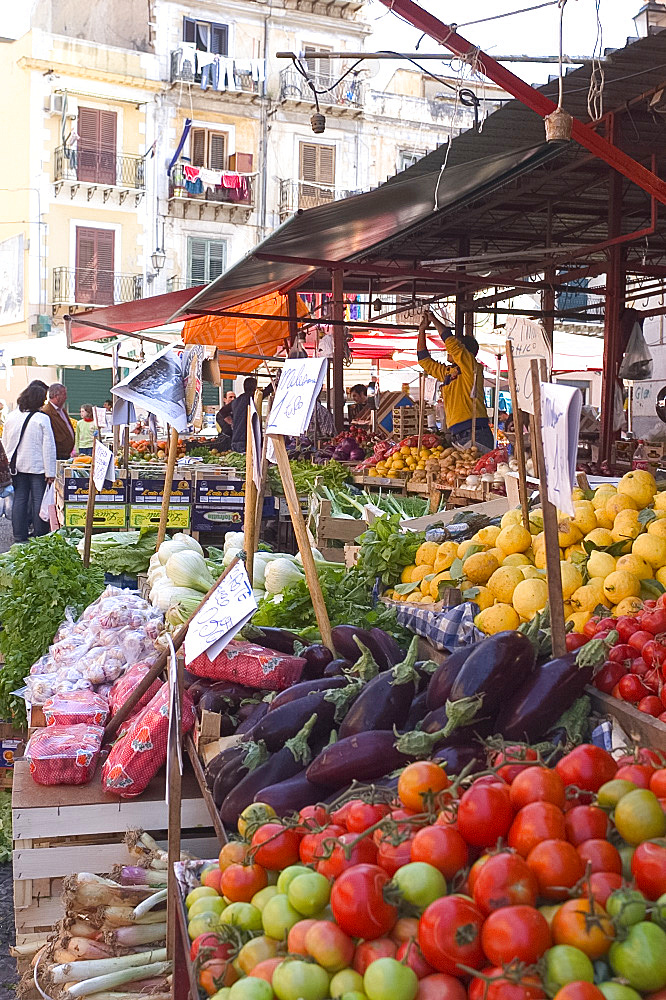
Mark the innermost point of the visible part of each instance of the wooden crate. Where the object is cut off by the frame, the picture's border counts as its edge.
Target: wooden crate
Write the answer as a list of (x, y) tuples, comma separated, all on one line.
[(336, 529), (405, 421), (62, 829), (639, 726)]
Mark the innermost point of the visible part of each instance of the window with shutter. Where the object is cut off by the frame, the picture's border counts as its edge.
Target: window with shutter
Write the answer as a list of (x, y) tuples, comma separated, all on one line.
[(206, 36), (94, 265), (208, 149), (97, 130), (217, 258), (216, 150), (198, 147), (189, 30), (219, 39), (318, 68), (317, 174), (206, 260)]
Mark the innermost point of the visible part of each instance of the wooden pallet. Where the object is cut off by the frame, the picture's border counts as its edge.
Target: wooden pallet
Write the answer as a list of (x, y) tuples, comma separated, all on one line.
[(336, 529), (62, 829)]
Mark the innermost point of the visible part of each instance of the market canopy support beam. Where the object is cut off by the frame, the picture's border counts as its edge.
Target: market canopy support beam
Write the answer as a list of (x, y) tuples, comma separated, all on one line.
[(531, 98), (338, 351), (615, 292)]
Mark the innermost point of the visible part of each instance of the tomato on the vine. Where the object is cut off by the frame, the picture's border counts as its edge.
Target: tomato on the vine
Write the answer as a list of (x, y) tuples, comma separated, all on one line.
[(601, 885), (648, 866), (440, 986), (362, 815), (450, 935), (420, 783), (557, 866), (391, 857), (534, 823), (441, 846), (369, 951), (363, 852), (485, 814), (412, 956), (600, 856), (239, 883), (658, 782), (585, 823), (583, 924), (358, 904), (275, 846), (638, 774), (587, 767), (313, 846), (537, 784), (504, 880), (515, 932), (579, 990), (498, 985), (510, 761)]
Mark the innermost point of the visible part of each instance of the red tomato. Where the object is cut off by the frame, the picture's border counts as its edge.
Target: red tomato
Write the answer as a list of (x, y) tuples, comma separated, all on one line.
[(638, 639), (640, 774), (362, 815), (621, 653), (312, 817), (390, 857), (588, 767), (504, 880), (651, 705), (239, 883), (574, 640), (498, 986), (515, 932), (626, 625), (654, 620), (339, 816), (631, 688), (441, 987), (441, 846), (369, 951), (410, 954), (314, 846), (653, 652), (658, 782), (609, 675), (600, 856), (589, 628), (537, 784), (358, 903), (557, 866), (296, 937), (276, 847), (536, 822), (643, 755), (485, 814), (362, 853), (601, 884), (474, 872), (508, 760), (450, 934), (648, 866), (585, 823), (579, 990), (210, 946)]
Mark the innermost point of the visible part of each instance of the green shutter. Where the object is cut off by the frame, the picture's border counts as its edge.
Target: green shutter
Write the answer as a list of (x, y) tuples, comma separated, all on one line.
[(86, 386), (206, 260), (217, 255)]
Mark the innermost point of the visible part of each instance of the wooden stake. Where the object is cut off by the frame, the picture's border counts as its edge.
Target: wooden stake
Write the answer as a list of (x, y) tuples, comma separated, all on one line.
[(582, 481), (90, 510), (249, 525), (518, 428), (553, 556), (422, 379), (126, 447), (173, 834), (160, 663), (168, 485), (303, 543)]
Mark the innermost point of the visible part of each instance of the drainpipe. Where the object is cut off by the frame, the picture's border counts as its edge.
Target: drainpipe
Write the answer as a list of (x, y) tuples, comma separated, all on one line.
[(263, 145)]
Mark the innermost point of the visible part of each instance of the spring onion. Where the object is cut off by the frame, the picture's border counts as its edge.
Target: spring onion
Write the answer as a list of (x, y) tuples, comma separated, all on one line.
[(131, 875), (124, 975), (143, 909), (78, 971), (128, 937)]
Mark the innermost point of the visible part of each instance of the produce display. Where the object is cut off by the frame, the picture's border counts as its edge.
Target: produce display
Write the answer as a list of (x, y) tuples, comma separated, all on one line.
[(448, 466), (119, 552)]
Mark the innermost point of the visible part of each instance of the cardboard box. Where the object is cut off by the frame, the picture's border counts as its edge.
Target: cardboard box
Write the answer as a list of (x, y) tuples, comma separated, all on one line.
[(149, 517), (103, 517)]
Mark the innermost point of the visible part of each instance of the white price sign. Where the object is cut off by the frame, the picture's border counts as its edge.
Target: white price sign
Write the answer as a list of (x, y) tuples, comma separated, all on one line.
[(528, 340), (300, 384), (225, 612), (560, 422), (103, 467)]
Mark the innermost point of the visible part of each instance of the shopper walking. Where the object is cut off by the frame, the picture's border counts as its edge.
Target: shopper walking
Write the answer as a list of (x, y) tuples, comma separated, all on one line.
[(30, 446), (61, 425), (86, 431)]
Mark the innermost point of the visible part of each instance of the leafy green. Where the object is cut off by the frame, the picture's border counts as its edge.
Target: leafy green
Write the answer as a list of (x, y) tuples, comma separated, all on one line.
[(333, 474), (385, 550), (121, 552), (39, 580), (5, 827)]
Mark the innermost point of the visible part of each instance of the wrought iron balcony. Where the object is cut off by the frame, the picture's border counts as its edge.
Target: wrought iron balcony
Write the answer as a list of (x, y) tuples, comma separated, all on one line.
[(348, 93), (85, 286), (92, 168), (295, 195), (231, 77), (233, 198)]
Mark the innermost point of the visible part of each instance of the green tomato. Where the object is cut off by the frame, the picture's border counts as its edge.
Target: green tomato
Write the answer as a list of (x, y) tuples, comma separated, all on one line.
[(222, 994), (243, 915), (200, 892), (638, 816), (420, 883), (287, 876), (251, 988), (659, 912), (626, 854), (296, 980), (202, 924), (279, 916), (616, 991), (354, 995), (641, 958), (566, 964), (261, 898), (611, 792), (346, 981), (309, 893), (206, 904), (627, 906), (388, 979)]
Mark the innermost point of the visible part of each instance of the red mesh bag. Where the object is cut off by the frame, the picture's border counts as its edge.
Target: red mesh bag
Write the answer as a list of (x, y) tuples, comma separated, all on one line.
[(136, 758), (252, 665), (73, 708), (64, 755), (124, 686)]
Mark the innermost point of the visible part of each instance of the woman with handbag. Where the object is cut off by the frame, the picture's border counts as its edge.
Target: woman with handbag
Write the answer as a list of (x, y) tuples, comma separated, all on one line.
[(30, 446)]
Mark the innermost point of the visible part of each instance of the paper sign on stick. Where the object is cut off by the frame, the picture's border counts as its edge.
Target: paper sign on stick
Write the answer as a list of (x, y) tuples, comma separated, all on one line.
[(175, 732), (104, 467), (560, 422), (225, 612), (300, 384), (158, 386), (529, 341), (256, 445)]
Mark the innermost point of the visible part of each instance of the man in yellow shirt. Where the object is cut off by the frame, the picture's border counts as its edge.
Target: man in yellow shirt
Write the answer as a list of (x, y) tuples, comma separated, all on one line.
[(462, 383)]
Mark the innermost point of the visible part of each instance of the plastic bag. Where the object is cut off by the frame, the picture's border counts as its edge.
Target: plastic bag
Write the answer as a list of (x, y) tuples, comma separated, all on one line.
[(252, 665), (76, 708), (64, 755), (637, 361), (123, 688), (48, 500)]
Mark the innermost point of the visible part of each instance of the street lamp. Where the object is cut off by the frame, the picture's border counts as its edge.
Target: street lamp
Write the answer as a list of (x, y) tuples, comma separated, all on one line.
[(650, 18), (158, 259)]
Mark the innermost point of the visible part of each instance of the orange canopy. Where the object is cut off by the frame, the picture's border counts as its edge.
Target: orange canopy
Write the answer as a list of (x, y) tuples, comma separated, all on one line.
[(248, 336)]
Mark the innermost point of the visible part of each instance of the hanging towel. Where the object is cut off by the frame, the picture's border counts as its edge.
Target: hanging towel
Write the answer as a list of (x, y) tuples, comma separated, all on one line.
[(189, 55), (210, 178), (191, 173), (179, 149)]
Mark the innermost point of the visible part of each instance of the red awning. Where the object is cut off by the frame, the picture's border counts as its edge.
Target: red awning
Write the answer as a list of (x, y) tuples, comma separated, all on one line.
[(130, 317)]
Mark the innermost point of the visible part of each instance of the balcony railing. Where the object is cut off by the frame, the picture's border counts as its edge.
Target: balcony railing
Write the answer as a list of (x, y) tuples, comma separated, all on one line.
[(234, 189), (86, 165), (85, 286), (295, 195), (177, 284), (226, 76), (347, 93)]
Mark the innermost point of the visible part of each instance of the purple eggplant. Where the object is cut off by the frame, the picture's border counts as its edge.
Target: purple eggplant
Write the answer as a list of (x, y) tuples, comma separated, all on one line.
[(291, 795), (217, 763), (443, 679), (199, 688), (317, 658), (362, 757), (417, 711), (385, 701), (299, 690), (455, 758), (337, 668), (344, 640), (224, 697), (228, 776), (504, 659), (249, 716), (438, 719), (392, 653), (280, 639), (284, 722), (553, 687)]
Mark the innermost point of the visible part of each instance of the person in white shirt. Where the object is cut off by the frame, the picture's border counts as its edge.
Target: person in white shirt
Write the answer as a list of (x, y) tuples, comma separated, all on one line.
[(30, 446)]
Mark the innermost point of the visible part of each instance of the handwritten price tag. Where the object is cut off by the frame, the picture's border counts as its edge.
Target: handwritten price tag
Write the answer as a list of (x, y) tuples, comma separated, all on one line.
[(103, 468), (560, 423), (529, 341), (300, 384), (225, 612)]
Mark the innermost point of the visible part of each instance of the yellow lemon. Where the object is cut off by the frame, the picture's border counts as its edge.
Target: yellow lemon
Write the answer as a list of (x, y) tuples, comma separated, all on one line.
[(632, 563), (515, 538), (538, 542), (585, 599), (600, 536), (529, 597), (660, 501), (499, 555), (567, 609), (652, 549), (600, 564), (626, 525), (573, 550), (464, 546), (618, 502), (488, 535), (372, 472), (434, 583), (571, 579), (516, 559), (577, 493), (481, 596), (419, 572), (427, 599), (536, 520), (657, 527), (597, 583), (398, 463), (426, 553), (531, 573), (406, 575), (480, 567), (660, 575), (603, 520), (640, 485), (426, 582), (629, 606), (499, 618), (601, 497), (579, 619), (504, 581), (584, 517), (540, 559), (621, 584), (568, 533), (513, 517), (446, 553)]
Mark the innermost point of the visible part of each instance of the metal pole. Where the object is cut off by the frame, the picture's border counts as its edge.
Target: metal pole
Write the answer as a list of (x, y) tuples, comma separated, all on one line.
[(614, 304), (338, 351)]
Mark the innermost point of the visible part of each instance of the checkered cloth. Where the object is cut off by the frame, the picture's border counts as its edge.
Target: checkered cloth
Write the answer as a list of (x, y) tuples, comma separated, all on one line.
[(444, 629)]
